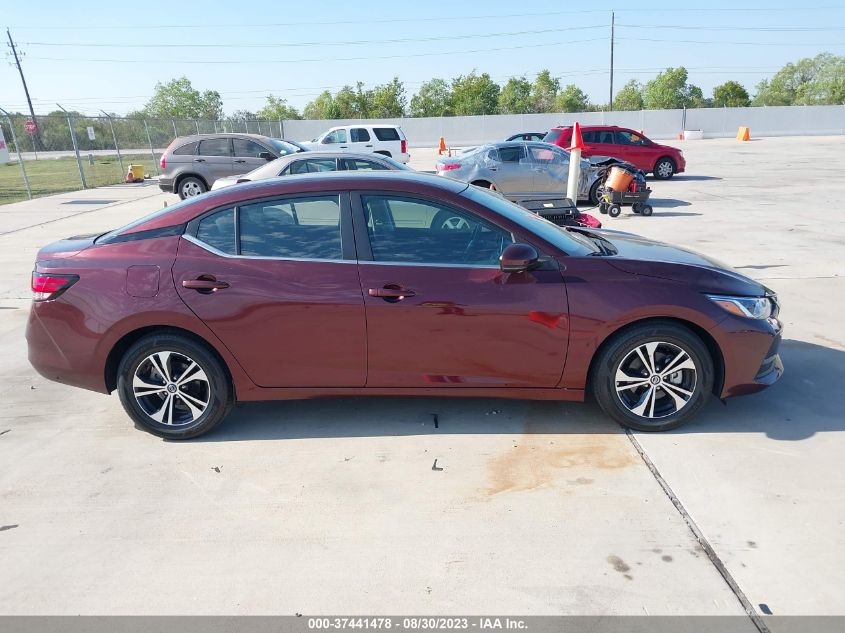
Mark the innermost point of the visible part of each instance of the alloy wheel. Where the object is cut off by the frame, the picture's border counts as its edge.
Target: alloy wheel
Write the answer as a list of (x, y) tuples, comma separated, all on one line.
[(656, 379), (665, 169), (455, 223), (191, 189), (171, 388)]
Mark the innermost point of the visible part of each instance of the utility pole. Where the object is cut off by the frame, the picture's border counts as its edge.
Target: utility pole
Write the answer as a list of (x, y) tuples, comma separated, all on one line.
[(612, 34), (37, 135)]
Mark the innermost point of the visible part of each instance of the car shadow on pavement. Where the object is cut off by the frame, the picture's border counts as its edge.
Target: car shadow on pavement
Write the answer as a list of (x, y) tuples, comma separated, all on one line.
[(808, 399), (690, 177), (668, 203)]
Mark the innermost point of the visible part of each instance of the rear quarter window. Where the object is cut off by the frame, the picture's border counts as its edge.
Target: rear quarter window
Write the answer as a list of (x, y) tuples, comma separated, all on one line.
[(386, 133), (189, 149)]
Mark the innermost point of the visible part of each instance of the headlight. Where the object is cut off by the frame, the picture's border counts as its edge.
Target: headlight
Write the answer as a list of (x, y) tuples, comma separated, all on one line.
[(750, 307)]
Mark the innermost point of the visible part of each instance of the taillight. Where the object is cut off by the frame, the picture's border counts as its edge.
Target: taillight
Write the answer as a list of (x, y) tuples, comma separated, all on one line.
[(47, 286), (163, 162), (404, 148), (447, 166)]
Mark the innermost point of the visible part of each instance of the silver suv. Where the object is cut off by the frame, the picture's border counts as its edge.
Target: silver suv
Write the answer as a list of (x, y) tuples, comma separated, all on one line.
[(191, 164)]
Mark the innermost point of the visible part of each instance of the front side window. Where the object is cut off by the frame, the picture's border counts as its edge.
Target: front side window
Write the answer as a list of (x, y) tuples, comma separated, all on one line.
[(293, 228), (512, 154), (245, 148), (590, 137), (215, 147), (359, 135), (335, 136), (313, 166), (605, 137), (418, 231), (218, 231), (629, 138)]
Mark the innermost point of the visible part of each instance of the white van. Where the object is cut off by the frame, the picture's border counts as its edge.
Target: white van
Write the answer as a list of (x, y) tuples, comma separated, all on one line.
[(377, 139)]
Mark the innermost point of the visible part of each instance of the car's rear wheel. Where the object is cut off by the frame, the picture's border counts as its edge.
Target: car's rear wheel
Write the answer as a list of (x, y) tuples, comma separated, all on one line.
[(190, 187), (664, 168), (653, 377), (173, 386), (596, 193)]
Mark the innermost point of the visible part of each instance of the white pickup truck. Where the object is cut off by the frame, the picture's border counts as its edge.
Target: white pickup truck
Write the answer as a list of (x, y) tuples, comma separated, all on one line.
[(376, 139)]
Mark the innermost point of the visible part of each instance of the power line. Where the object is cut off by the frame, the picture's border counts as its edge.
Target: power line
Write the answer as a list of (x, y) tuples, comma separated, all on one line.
[(323, 43), (321, 59), (766, 29), (722, 42)]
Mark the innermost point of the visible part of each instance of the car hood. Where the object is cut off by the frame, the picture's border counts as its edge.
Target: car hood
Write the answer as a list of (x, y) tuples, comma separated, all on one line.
[(641, 256), (228, 181)]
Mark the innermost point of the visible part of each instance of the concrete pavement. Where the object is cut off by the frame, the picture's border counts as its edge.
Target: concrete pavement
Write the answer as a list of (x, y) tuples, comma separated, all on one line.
[(541, 508)]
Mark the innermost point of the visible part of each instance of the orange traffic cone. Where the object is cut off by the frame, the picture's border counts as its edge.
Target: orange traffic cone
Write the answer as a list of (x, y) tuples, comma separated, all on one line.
[(743, 134), (442, 146)]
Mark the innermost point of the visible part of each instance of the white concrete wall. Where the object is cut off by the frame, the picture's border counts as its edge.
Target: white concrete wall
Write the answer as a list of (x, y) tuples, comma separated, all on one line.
[(657, 124)]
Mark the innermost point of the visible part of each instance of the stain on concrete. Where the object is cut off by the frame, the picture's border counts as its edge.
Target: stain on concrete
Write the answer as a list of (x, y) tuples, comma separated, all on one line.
[(618, 564), (581, 481), (3, 528), (752, 544), (5, 431), (666, 558), (535, 463)]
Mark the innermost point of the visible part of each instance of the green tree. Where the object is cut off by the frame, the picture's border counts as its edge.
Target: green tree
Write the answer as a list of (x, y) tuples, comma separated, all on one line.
[(180, 100), (320, 108), (276, 108), (475, 94), (388, 100), (815, 80), (434, 98), (671, 90), (572, 99), (346, 104), (630, 97), (730, 94), (515, 97), (242, 115), (544, 92)]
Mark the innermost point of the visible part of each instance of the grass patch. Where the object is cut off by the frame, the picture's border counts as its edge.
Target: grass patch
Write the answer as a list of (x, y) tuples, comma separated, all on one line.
[(57, 175)]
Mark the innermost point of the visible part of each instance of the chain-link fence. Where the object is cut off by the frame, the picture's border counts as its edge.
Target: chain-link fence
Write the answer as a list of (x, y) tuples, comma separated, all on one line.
[(61, 152)]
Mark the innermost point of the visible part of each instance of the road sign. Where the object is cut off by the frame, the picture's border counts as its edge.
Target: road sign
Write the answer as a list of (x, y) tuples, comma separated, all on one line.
[(91, 133), (30, 126)]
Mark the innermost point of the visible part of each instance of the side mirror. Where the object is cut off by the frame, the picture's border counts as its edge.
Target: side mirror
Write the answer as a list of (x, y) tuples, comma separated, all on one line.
[(517, 258), (266, 156)]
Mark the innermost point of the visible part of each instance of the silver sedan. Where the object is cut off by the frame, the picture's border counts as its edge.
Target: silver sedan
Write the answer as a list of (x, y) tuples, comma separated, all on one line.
[(520, 170), (314, 162)]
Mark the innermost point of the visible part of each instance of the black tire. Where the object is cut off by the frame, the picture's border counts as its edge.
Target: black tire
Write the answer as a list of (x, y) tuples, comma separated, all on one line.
[(637, 207), (647, 210), (215, 388), (614, 210), (664, 168), (603, 208), (595, 194), (191, 186), (614, 356)]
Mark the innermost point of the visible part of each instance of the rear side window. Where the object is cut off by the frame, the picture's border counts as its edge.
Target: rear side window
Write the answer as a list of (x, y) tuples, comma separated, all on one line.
[(590, 137), (218, 231), (294, 228), (386, 133), (215, 147), (359, 164), (313, 166), (188, 149), (248, 149), (359, 135), (512, 154)]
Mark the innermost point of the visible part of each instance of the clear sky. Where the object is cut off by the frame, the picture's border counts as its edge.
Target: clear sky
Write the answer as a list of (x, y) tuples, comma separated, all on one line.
[(93, 54)]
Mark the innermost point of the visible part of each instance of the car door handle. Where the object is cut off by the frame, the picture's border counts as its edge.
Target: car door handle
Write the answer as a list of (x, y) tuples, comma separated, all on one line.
[(199, 160), (493, 168), (204, 283), (344, 146), (240, 160), (367, 145), (391, 292)]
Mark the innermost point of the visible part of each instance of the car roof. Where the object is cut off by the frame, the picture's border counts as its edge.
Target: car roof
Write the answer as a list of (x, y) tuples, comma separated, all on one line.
[(401, 181), (198, 137), (589, 127)]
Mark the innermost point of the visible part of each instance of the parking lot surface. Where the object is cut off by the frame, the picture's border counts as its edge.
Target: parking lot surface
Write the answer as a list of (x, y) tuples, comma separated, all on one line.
[(338, 506)]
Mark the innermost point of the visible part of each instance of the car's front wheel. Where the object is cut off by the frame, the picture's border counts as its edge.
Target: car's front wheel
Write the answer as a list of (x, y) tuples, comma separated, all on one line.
[(173, 386), (664, 168), (653, 377)]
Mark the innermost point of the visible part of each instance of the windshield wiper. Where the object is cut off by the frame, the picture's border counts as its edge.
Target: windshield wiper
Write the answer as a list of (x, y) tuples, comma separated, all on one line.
[(604, 245)]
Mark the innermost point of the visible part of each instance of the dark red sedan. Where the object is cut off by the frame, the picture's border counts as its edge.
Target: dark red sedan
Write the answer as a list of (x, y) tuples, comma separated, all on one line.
[(390, 284)]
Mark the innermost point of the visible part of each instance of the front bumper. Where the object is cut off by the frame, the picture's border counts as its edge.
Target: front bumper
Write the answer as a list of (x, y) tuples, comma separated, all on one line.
[(750, 350)]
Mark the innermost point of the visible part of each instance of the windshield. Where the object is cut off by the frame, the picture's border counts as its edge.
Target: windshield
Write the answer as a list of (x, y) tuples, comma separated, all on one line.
[(552, 136), (567, 242), (284, 147)]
